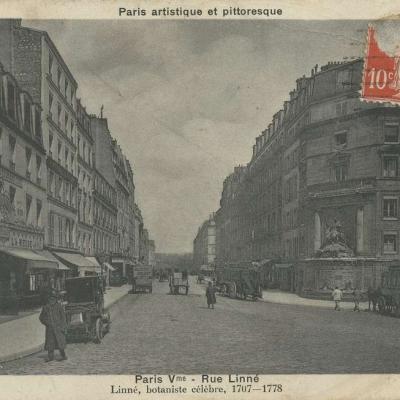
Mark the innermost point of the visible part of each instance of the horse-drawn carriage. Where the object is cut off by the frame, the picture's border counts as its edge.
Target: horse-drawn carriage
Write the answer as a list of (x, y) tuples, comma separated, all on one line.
[(241, 280), (179, 282), (86, 317), (388, 295)]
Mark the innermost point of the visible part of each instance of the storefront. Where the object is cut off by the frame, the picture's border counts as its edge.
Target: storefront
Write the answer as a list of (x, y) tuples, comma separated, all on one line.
[(25, 277), (57, 279)]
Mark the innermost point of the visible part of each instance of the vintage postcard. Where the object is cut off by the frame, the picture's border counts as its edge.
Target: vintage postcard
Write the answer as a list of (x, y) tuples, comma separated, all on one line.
[(199, 200)]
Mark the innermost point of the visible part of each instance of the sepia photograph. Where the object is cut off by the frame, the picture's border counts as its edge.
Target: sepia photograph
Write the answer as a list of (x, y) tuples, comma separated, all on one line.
[(199, 197)]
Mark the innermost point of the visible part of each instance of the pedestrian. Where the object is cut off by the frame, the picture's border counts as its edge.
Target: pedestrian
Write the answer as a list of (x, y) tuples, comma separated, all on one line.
[(210, 294), (337, 295), (53, 317), (372, 298), (356, 299)]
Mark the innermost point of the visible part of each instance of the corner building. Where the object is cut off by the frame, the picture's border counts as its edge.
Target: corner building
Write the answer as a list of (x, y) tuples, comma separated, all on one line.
[(40, 70), (326, 160)]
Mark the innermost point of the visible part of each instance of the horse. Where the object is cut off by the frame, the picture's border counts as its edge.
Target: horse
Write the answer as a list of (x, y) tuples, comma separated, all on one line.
[(373, 295)]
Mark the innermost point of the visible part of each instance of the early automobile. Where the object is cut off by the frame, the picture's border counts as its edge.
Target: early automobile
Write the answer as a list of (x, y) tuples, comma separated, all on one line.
[(87, 319)]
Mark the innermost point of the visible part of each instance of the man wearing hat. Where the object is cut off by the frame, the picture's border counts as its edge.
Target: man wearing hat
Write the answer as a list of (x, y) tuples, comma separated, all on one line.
[(53, 317)]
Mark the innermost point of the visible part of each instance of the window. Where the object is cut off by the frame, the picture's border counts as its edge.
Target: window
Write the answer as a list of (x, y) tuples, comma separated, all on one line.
[(11, 100), (60, 231), (38, 213), (50, 142), (50, 102), (59, 152), (38, 125), (51, 228), (28, 206), (58, 188), (11, 147), (66, 117), (28, 157), (50, 180), (12, 194), (391, 132), (341, 139), (390, 166), (66, 158), (39, 169), (390, 243), (59, 77), (390, 207), (59, 114), (27, 116), (66, 88), (51, 59), (341, 109), (340, 173)]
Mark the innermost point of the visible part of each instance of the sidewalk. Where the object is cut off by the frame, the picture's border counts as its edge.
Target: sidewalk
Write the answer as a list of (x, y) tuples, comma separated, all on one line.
[(294, 299), (23, 336)]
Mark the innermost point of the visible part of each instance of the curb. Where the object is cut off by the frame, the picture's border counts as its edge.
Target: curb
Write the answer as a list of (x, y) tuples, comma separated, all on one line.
[(326, 306), (40, 348), (22, 354)]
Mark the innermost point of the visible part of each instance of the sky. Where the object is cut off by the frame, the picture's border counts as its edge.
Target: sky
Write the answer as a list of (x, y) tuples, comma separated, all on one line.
[(186, 99)]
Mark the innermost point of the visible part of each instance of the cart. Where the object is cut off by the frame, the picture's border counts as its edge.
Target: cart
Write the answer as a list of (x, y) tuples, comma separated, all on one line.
[(86, 318), (178, 283)]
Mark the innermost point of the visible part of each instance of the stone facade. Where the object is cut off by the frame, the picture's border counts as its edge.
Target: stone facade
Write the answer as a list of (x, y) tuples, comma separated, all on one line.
[(204, 244), (325, 157), (71, 186)]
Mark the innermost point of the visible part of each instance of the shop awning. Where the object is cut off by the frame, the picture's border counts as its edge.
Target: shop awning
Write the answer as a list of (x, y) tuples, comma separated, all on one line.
[(109, 266), (48, 255), (93, 261), (283, 265), (75, 259), (32, 259)]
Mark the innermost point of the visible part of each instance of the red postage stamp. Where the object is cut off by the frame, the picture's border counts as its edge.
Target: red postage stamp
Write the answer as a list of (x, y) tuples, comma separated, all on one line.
[(381, 74)]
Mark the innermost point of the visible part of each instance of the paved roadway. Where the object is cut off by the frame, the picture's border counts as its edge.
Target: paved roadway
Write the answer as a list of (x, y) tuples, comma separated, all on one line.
[(162, 333)]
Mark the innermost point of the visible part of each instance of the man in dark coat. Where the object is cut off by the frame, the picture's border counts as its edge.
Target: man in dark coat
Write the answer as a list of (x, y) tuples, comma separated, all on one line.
[(210, 294), (53, 317)]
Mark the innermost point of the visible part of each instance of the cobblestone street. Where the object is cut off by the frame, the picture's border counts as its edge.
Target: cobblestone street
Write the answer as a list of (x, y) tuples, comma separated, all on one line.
[(162, 333)]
